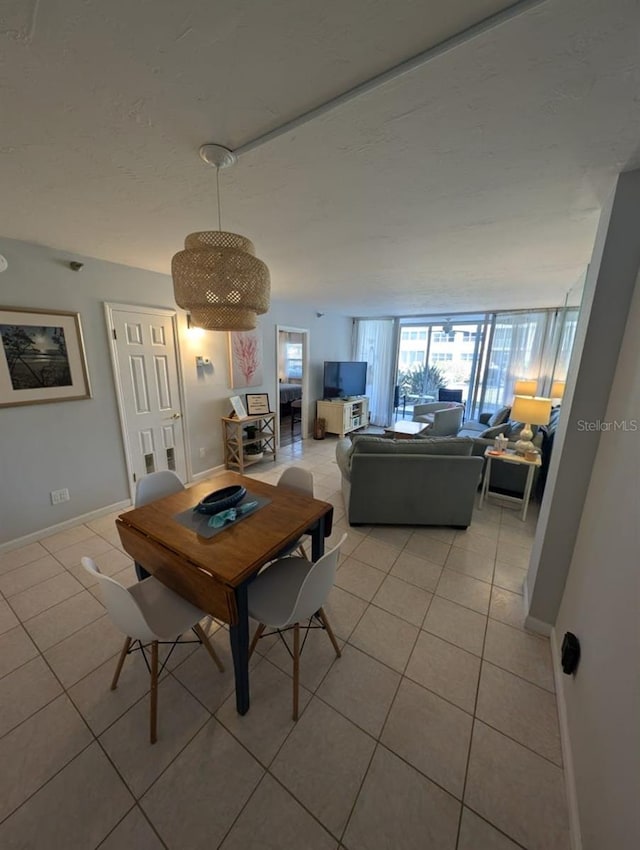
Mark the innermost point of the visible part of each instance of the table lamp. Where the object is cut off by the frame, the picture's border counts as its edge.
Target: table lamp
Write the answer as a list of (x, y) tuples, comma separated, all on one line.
[(525, 386), (557, 389), (532, 410)]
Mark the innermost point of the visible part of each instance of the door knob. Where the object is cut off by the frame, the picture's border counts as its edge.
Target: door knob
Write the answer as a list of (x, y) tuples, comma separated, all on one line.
[(176, 416)]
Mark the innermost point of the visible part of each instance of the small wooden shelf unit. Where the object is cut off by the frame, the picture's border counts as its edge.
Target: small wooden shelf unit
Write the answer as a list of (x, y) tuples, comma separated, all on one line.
[(343, 416), (235, 440)]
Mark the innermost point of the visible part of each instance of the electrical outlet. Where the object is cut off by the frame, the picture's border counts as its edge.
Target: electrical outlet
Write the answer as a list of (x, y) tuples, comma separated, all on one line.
[(203, 452), (58, 496)]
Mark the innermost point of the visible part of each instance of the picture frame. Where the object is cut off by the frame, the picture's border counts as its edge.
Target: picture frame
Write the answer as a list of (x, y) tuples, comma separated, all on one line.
[(238, 407), (257, 403), (246, 367), (42, 357)]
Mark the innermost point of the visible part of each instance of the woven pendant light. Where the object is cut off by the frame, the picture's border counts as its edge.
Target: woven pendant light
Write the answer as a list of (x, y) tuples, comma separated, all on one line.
[(217, 277)]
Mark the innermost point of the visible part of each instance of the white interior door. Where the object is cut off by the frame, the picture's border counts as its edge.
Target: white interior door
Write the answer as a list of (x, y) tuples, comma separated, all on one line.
[(146, 364)]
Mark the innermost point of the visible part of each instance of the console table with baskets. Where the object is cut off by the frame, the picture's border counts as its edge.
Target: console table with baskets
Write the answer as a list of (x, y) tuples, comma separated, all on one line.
[(241, 450)]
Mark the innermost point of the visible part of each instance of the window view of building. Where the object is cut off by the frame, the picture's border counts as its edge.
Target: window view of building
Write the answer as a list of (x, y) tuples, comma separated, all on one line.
[(483, 358)]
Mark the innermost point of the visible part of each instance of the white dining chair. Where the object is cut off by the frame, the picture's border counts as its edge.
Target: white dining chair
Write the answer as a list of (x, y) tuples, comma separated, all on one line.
[(301, 480), (289, 592), (149, 613), (154, 486)]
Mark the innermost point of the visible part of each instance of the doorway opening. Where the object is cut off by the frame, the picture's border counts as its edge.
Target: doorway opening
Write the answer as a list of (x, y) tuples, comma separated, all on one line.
[(293, 378)]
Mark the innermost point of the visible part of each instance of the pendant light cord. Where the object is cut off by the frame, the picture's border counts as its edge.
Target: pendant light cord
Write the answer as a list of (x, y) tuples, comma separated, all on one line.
[(218, 197)]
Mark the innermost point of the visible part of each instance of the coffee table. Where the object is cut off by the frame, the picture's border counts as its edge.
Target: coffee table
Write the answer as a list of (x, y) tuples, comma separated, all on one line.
[(404, 430)]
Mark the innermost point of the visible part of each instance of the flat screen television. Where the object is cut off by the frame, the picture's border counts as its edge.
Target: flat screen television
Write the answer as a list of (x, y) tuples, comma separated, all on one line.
[(343, 379)]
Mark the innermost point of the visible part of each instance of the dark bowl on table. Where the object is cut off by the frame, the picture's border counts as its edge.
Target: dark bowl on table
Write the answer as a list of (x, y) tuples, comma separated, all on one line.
[(221, 500)]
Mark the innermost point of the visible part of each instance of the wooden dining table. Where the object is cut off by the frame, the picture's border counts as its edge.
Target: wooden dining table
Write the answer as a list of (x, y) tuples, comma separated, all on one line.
[(214, 573)]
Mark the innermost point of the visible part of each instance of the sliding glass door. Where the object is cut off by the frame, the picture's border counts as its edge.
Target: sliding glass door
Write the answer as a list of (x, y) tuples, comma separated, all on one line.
[(480, 356)]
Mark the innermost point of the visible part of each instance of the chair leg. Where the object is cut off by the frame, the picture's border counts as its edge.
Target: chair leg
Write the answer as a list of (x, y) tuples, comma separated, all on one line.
[(153, 716), (207, 645), (256, 638), (329, 630), (123, 655), (296, 668)]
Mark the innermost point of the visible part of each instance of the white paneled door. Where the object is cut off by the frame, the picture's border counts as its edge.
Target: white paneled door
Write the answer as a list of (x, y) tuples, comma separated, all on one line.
[(146, 363)]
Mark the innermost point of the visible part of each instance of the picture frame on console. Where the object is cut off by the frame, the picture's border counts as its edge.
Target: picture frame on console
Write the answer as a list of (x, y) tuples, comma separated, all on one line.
[(258, 404)]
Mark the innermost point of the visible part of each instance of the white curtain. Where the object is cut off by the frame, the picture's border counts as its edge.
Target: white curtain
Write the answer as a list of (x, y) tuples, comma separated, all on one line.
[(376, 342), (516, 352)]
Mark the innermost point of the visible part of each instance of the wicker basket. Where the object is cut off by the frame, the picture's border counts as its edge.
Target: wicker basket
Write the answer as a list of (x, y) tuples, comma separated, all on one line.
[(220, 281)]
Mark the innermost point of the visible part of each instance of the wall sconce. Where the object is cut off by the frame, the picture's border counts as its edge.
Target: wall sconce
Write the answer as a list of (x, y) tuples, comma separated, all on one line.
[(193, 331)]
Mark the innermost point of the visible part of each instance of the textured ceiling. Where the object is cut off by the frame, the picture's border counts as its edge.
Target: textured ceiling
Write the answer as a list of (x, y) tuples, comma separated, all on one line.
[(473, 182)]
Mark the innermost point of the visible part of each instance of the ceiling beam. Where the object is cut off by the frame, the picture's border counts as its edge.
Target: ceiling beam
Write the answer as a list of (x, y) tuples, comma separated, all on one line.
[(406, 67)]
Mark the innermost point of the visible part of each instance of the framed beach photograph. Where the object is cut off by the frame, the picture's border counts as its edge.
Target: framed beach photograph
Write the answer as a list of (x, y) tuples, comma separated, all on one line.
[(42, 357), (257, 403), (245, 359)]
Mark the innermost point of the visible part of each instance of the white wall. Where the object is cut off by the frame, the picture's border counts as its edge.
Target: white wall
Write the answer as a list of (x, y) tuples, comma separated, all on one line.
[(78, 444), (601, 605), (608, 291)]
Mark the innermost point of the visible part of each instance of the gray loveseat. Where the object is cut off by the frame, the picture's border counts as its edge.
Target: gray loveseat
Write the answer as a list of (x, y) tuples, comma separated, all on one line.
[(427, 481)]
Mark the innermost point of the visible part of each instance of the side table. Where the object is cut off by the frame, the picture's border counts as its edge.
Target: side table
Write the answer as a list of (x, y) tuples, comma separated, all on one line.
[(509, 456)]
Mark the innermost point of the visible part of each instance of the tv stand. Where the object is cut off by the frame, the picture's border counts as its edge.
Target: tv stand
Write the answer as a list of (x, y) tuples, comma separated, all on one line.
[(343, 416)]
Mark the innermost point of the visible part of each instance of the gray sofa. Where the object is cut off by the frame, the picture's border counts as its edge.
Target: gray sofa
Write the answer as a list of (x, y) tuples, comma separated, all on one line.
[(426, 481)]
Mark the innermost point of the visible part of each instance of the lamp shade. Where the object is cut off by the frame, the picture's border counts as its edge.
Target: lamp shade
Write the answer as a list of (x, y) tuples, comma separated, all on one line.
[(533, 410), (524, 386), (557, 389), (220, 281)]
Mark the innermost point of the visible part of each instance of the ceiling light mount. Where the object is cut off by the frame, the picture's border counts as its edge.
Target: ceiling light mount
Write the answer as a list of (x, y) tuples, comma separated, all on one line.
[(217, 155)]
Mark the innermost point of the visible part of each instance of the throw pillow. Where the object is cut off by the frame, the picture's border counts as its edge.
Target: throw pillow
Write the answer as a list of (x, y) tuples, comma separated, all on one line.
[(499, 417), (491, 433)]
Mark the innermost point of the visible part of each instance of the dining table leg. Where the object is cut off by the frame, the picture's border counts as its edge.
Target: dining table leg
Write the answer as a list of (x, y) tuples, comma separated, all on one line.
[(317, 539), (239, 637)]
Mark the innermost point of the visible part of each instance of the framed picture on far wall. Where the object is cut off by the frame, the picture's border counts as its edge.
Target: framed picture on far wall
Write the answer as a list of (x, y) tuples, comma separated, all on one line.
[(42, 357), (245, 359)]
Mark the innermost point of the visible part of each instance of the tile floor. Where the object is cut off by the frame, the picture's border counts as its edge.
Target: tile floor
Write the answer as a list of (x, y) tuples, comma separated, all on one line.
[(437, 728)]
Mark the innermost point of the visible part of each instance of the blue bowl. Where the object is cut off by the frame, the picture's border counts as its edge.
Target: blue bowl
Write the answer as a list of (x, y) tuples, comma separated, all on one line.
[(221, 500)]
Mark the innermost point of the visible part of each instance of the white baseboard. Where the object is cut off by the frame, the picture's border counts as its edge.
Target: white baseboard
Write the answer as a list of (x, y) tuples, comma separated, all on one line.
[(208, 473), (567, 755), (538, 626), (533, 624), (61, 526)]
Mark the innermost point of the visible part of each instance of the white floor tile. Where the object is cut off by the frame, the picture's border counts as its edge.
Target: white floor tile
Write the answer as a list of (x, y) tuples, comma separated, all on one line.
[(273, 818), (399, 808), (24, 692), (196, 800), (361, 688), (75, 810), (385, 637), (517, 790), (325, 779), (440, 750), (37, 749)]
